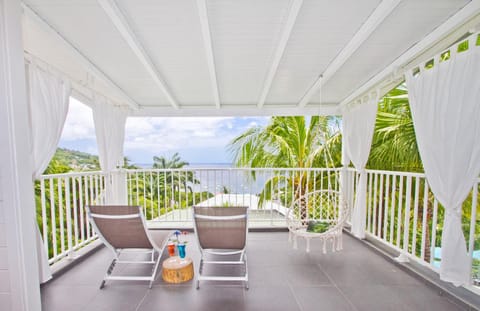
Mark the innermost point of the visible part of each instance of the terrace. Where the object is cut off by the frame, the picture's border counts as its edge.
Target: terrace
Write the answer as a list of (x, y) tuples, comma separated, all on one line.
[(348, 279), (255, 58), (358, 278)]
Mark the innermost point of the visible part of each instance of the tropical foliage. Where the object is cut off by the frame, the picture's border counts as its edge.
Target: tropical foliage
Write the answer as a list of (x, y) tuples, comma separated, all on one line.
[(289, 142), (394, 145)]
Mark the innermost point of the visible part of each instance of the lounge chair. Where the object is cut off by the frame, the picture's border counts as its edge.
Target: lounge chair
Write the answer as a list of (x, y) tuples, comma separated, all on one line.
[(221, 234), (123, 229)]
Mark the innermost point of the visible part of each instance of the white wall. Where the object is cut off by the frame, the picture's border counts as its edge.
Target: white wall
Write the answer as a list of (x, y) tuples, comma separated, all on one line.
[(19, 286)]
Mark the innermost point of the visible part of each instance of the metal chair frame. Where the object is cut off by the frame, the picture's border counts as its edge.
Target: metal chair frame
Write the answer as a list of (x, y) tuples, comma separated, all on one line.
[(204, 252), (154, 250)]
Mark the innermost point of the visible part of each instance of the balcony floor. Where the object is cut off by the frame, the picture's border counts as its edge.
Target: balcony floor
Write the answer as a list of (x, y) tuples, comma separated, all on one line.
[(281, 278)]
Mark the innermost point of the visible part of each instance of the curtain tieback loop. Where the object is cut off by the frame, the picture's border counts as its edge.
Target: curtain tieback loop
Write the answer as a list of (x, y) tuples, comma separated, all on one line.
[(455, 212)]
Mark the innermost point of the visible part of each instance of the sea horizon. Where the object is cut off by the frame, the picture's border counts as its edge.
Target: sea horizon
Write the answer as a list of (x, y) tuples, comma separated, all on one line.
[(190, 165)]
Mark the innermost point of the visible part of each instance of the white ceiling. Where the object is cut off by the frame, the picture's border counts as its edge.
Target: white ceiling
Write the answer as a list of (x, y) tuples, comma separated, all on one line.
[(250, 57)]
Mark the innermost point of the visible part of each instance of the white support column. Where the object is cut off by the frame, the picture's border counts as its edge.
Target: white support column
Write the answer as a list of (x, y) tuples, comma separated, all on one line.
[(118, 183), (18, 256)]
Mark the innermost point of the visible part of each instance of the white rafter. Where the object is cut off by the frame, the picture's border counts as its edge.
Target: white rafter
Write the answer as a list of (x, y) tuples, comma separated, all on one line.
[(207, 39), (292, 17), (81, 57), (382, 11), (120, 22)]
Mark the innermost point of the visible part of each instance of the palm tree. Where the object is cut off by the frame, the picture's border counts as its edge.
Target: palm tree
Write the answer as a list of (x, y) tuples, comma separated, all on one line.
[(288, 142), (175, 178), (165, 163), (394, 144)]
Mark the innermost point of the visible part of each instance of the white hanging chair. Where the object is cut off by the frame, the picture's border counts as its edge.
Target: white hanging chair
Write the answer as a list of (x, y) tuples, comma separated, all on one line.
[(318, 215)]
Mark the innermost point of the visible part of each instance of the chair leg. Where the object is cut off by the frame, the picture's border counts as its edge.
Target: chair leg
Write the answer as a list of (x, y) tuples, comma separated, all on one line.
[(154, 273), (246, 270), (200, 268), (109, 271)]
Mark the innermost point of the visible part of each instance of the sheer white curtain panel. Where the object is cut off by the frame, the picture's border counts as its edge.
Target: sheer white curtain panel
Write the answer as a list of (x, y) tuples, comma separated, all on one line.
[(48, 96), (445, 104), (109, 123), (358, 125)]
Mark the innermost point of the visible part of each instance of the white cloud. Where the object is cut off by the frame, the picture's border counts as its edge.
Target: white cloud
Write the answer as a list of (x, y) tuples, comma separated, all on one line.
[(79, 122), (158, 136), (167, 135)]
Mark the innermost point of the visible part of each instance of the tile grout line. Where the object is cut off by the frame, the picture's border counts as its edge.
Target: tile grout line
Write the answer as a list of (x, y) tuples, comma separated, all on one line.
[(141, 301), (290, 287), (338, 288)]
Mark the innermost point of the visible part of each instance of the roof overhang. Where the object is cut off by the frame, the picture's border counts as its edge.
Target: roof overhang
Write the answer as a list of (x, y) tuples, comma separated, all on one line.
[(238, 58)]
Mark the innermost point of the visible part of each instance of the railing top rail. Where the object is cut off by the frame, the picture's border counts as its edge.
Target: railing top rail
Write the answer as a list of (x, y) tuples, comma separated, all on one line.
[(397, 173), (71, 174), (188, 169)]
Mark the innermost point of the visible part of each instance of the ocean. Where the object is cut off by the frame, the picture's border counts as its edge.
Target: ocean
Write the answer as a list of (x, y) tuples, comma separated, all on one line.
[(217, 178)]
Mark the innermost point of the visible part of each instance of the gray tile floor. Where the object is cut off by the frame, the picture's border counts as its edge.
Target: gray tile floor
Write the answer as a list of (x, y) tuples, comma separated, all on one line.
[(281, 278)]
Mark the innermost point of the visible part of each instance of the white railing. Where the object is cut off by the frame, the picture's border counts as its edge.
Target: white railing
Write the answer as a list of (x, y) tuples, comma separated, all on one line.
[(61, 201), (167, 195), (401, 210), (403, 213)]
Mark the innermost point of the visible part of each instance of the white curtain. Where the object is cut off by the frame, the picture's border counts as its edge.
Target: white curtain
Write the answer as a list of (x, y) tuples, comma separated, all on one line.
[(358, 126), (110, 131), (445, 104), (48, 100), (48, 105)]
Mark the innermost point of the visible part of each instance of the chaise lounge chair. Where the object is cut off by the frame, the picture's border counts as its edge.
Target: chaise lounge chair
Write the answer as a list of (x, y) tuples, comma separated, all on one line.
[(123, 229), (221, 233)]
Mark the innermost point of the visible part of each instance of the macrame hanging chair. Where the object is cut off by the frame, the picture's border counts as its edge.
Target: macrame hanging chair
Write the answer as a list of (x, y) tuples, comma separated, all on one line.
[(319, 213)]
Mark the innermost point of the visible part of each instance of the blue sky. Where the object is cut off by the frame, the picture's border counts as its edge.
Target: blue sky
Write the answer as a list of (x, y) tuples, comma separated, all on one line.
[(196, 139)]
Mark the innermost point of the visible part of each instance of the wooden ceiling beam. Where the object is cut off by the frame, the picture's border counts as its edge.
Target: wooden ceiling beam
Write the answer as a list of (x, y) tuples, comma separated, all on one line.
[(208, 45), (287, 31), (120, 22)]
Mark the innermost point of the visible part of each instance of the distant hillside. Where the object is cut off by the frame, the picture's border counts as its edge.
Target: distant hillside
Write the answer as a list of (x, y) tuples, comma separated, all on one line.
[(73, 160)]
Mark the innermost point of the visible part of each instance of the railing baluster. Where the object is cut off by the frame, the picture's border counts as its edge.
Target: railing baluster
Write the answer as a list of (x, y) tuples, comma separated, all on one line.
[(386, 207), (151, 196), (53, 219), (137, 190), (400, 207), (380, 208), (434, 231), (473, 221), (60, 215), (369, 202), (75, 207), (44, 215), (374, 204), (406, 230), (80, 208), (392, 210), (144, 194), (68, 215), (90, 201), (415, 215), (424, 217)]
